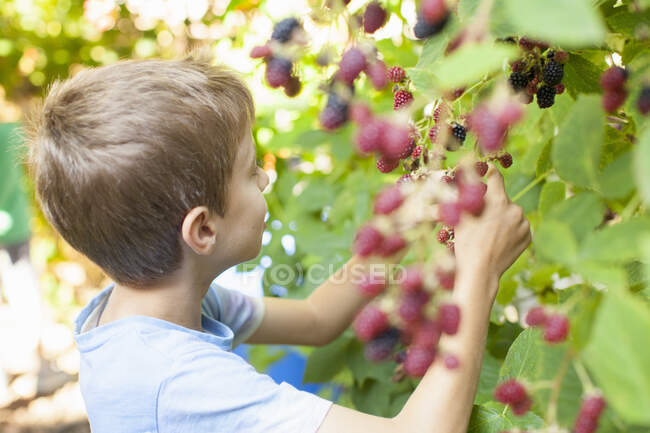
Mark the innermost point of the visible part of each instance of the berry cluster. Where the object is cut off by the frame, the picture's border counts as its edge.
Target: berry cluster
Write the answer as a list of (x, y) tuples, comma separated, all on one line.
[(513, 393), (590, 410), (556, 326), (614, 93), (539, 72)]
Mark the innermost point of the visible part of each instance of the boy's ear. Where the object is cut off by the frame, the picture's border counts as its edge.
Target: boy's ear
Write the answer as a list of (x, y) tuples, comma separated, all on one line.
[(200, 229)]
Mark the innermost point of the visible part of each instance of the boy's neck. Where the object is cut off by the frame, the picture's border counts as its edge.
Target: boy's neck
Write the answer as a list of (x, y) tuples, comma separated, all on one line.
[(177, 301)]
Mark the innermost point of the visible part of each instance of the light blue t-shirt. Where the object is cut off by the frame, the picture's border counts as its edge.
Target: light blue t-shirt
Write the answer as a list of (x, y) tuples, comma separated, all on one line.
[(141, 374)]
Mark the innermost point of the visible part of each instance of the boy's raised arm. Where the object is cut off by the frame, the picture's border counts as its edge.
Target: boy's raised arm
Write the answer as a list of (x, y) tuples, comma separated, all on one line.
[(485, 247)]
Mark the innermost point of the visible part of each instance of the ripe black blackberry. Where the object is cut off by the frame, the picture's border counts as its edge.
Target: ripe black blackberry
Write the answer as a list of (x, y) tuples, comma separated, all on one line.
[(424, 29), (459, 131), (283, 29), (335, 113), (553, 73), (518, 81), (545, 96)]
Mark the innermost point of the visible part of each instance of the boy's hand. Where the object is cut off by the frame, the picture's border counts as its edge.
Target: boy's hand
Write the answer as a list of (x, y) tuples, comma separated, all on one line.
[(493, 241)]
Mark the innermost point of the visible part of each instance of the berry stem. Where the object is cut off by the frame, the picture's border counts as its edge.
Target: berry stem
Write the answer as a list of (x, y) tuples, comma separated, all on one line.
[(542, 384), (551, 412), (583, 376), (631, 206), (530, 186)]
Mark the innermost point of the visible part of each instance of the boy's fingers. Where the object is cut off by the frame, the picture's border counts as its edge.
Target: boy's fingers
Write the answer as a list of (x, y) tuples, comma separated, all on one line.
[(495, 187)]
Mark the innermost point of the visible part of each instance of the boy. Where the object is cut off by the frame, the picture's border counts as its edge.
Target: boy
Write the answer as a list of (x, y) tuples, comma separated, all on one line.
[(148, 168)]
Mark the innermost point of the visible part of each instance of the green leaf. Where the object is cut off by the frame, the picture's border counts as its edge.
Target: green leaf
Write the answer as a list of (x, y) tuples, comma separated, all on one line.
[(641, 164), (472, 62), (544, 161), (423, 80), (552, 193), (582, 319), (467, 8), (581, 76), (488, 379), (555, 242), (490, 418), (615, 181), (626, 22), (582, 213), (572, 23), (616, 243), (618, 355), (363, 370), (576, 149), (594, 272), (316, 195), (325, 362)]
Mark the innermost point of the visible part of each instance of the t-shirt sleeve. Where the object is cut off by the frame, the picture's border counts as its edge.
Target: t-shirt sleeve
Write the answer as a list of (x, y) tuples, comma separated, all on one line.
[(217, 391), (240, 312)]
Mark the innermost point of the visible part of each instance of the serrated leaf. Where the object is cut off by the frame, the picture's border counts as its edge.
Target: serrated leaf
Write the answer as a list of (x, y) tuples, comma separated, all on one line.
[(582, 213), (472, 62), (626, 22), (576, 149), (572, 23), (544, 161), (323, 363), (555, 242), (488, 379), (641, 164), (615, 181), (594, 272), (616, 243), (489, 418), (621, 332), (552, 193), (423, 80), (581, 76)]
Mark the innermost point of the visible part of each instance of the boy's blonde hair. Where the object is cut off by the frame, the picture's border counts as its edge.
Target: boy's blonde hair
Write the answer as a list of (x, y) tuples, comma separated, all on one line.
[(119, 154)]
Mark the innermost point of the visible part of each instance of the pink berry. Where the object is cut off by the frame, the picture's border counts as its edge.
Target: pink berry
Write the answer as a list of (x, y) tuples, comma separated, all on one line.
[(386, 165), (381, 347), (371, 285), (376, 71), (559, 89), (395, 141), (451, 362), (370, 322), (391, 245), (442, 236), (388, 200), (412, 279), (396, 74), (521, 407), (510, 392), (433, 10), (449, 213), (418, 360), (360, 113), (373, 17), (449, 318), (593, 406), (561, 57), (433, 133), (613, 99), (446, 278), (557, 328), (447, 179), (412, 304), (367, 241), (278, 71), (536, 316), (510, 114), (417, 151), (470, 198), (401, 99), (481, 168), (427, 334), (260, 51), (613, 78), (488, 129), (405, 178), (351, 65), (370, 136)]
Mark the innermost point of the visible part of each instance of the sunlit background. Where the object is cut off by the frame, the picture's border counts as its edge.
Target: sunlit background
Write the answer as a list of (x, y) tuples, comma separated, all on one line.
[(41, 40)]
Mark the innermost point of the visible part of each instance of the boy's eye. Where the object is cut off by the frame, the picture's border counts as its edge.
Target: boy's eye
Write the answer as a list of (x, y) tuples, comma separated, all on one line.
[(258, 164)]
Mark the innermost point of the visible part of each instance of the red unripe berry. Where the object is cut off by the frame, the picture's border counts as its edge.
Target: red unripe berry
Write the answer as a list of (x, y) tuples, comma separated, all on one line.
[(488, 129), (351, 65), (510, 392), (386, 165), (559, 89), (517, 66), (511, 114), (427, 334), (536, 316), (505, 160), (613, 99), (470, 198), (405, 178), (412, 279), (370, 136), (401, 99), (260, 51), (449, 213), (396, 74), (613, 78), (376, 71), (367, 241), (370, 322), (433, 10), (360, 113), (561, 57), (278, 71), (481, 168), (417, 151), (371, 285), (412, 305), (293, 86), (526, 44), (521, 407), (442, 236), (447, 179), (446, 279), (451, 362), (373, 17), (592, 406), (557, 328), (388, 200), (418, 360), (391, 245), (433, 133), (449, 318), (395, 142), (451, 248)]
